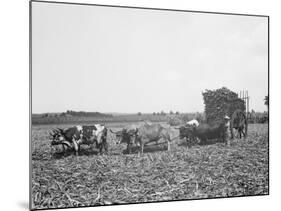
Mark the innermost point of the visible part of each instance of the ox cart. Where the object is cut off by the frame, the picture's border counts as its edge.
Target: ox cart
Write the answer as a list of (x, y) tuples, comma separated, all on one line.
[(221, 102)]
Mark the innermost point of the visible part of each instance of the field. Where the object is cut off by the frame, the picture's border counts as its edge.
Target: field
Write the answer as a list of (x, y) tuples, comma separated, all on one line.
[(60, 118), (215, 170)]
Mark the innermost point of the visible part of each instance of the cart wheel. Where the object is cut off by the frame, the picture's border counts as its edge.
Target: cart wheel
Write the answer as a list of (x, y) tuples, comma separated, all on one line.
[(239, 123)]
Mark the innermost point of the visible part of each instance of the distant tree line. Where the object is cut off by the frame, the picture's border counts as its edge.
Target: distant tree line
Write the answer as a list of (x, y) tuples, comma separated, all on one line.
[(257, 117), (69, 117), (164, 113), (86, 114)]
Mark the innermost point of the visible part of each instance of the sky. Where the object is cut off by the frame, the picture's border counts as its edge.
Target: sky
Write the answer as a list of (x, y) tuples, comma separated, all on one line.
[(92, 58)]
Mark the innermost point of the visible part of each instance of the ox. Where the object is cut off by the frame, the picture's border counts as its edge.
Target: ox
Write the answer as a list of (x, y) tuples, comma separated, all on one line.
[(126, 136), (193, 122), (204, 132), (94, 134), (67, 137), (76, 136), (186, 132), (216, 131), (151, 133)]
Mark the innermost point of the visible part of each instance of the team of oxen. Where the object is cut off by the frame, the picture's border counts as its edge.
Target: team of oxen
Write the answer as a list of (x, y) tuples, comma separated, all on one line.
[(137, 135)]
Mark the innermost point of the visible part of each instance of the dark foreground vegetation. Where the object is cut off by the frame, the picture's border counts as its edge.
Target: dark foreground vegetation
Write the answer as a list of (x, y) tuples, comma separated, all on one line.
[(207, 171)]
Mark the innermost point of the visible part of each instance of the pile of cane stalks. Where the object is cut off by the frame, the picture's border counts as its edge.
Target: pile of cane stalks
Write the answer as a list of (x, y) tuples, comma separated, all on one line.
[(221, 102)]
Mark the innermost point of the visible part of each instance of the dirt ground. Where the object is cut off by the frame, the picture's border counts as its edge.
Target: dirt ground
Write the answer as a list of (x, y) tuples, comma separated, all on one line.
[(215, 170)]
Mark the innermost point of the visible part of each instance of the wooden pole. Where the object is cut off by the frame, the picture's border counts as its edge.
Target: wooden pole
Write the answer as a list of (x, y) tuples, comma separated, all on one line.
[(248, 102)]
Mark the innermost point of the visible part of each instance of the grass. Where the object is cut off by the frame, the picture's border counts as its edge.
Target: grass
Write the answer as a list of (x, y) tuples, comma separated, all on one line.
[(64, 180)]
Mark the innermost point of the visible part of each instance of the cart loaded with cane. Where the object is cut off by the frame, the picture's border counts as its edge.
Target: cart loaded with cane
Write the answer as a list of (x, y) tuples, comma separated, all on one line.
[(221, 102)]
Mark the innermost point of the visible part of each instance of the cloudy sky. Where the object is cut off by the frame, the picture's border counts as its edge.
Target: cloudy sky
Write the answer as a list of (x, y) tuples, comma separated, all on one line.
[(128, 60)]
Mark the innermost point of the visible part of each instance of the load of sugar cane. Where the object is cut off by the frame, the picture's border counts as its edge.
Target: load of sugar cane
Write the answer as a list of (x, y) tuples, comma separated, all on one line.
[(221, 102)]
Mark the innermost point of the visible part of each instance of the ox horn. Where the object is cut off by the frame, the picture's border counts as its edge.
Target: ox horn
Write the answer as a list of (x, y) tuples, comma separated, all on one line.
[(113, 131), (54, 131), (67, 144), (60, 130)]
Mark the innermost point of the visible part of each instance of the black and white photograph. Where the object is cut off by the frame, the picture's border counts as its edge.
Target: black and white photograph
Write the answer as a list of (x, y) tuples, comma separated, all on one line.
[(135, 105)]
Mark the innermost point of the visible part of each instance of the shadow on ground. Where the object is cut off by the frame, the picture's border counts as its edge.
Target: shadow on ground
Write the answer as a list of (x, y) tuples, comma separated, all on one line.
[(184, 143), (148, 148)]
